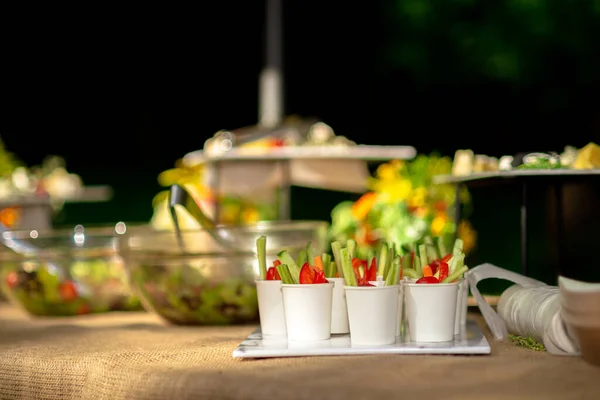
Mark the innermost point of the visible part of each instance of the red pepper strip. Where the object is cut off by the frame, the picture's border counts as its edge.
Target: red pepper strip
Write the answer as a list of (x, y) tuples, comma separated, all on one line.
[(443, 271), (270, 275), (428, 279), (435, 264), (372, 271), (276, 263), (446, 258), (320, 277), (273, 274), (306, 274)]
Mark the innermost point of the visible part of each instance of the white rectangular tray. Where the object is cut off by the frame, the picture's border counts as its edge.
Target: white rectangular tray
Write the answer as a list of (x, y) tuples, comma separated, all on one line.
[(470, 341)]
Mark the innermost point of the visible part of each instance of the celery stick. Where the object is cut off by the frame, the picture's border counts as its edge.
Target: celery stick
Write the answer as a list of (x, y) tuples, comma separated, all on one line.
[(326, 260), (411, 273), (349, 276), (456, 274), (284, 273), (285, 258), (394, 274), (441, 247), (351, 246), (261, 251), (458, 246), (432, 253), (456, 262), (333, 268), (423, 255), (301, 258), (382, 261), (390, 257), (406, 264), (310, 255), (417, 265), (335, 249)]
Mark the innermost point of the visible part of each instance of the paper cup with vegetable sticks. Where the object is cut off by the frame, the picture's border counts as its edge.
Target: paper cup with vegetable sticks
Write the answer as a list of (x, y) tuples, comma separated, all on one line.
[(268, 290), (461, 306), (431, 300), (372, 310), (339, 312), (307, 300)]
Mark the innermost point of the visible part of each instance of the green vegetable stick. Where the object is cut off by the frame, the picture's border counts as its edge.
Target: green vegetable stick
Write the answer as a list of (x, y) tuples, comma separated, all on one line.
[(456, 274), (310, 255), (261, 251), (285, 258), (441, 247), (326, 264), (423, 255), (284, 273), (382, 261), (458, 246), (349, 276), (390, 257), (406, 262), (417, 265), (333, 268), (351, 246), (411, 273), (335, 249), (394, 273), (456, 262), (301, 257), (432, 252)]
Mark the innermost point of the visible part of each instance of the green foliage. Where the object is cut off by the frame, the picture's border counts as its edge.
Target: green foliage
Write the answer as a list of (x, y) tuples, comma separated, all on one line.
[(8, 161), (506, 41)]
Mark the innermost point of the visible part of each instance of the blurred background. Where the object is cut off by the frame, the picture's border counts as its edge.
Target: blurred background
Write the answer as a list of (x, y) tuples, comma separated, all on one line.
[(122, 94)]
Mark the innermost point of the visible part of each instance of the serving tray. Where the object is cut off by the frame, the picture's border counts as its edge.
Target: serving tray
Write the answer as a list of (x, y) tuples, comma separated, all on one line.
[(470, 341)]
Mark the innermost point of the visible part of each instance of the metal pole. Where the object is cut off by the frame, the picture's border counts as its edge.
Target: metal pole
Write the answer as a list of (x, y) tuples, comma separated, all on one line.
[(271, 80)]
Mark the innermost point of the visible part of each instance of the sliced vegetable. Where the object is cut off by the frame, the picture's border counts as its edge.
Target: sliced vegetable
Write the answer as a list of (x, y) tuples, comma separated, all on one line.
[(318, 261), (382, 262), (351, 246), (309, 252), (394, 275), (347, 269), (443, 271), (302, 258), (286, 259), (335, 249), (427, 271), (261, 251), (273, 275), (411, 273), (441, 247), (285, 274), (456, 275), (307, 274), (428, 279)]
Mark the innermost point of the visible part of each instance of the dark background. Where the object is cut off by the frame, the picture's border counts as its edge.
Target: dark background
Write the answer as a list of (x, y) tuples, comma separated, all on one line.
[(123, 93)]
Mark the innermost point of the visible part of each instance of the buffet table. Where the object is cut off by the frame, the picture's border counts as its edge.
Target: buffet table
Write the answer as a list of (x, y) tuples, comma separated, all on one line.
[(136, 356)]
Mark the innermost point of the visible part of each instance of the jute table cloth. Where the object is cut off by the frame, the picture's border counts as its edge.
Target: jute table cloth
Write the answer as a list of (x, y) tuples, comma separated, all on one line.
[(136, 356)]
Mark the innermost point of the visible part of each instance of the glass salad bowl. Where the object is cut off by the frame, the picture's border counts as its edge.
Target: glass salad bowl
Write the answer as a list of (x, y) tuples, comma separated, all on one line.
[(66, 272), (205, 283)]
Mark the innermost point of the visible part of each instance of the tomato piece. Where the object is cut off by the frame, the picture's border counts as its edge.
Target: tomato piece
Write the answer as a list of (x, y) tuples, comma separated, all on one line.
[(446, 258), (67, 291), (306, 274), (428, 279), (276, 263), (12, 279), (372, 271), (443, 271)]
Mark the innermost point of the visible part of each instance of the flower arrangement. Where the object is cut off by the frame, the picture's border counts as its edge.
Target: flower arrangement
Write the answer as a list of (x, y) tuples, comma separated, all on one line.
[(403, 206)]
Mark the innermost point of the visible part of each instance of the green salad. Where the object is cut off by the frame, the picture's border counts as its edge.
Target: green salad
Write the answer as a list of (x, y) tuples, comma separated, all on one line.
[(184, 295), (92, 286)]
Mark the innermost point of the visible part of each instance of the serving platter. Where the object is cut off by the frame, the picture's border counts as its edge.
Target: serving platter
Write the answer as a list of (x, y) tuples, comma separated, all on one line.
[(470, 341)]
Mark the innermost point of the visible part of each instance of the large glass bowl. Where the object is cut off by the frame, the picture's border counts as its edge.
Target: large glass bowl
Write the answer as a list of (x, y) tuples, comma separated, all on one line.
[(207, 284), (66, 272)]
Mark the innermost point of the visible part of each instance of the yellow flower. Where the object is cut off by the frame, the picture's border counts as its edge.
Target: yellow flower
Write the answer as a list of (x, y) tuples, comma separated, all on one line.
[(393, 191), (438, 224), (418, 197)]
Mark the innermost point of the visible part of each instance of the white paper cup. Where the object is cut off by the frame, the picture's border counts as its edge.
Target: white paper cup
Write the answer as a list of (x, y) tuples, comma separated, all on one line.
[(307, 309), (339, 311), (461, 306), (372, 313), (431, 311), (381, 283), (270, 308)]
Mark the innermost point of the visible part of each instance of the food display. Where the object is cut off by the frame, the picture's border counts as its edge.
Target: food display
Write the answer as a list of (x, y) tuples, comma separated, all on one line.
[(90, 286), (466, 162), (403, 206)]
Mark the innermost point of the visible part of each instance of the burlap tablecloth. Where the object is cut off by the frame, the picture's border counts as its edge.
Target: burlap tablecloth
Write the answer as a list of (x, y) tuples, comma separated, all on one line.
[(136, 356)]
